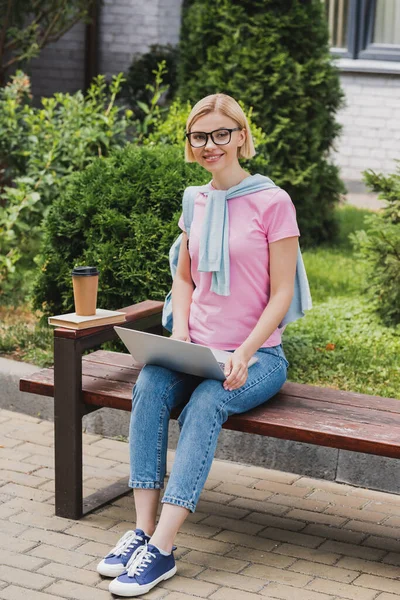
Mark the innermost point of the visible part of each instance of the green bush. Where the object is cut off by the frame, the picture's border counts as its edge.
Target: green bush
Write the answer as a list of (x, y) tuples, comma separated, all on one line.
[(141, 74), (378, 247), (121, 215), (274, 56), (39, 149)]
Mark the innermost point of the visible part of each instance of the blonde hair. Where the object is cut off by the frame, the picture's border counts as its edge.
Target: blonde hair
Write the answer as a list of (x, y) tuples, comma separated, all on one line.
[(227, 106)]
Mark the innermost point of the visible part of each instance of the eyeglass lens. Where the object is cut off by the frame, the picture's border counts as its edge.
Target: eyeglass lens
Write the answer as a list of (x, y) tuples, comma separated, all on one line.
[(219, 137)]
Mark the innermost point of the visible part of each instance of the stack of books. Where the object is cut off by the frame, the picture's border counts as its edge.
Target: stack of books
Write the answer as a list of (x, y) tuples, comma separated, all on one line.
[(74, 321)]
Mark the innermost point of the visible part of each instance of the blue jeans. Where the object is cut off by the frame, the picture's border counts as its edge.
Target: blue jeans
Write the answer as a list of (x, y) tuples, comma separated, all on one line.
[(158, 390)]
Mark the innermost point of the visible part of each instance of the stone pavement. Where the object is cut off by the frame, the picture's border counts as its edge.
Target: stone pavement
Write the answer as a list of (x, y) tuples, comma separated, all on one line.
[(256, 533)]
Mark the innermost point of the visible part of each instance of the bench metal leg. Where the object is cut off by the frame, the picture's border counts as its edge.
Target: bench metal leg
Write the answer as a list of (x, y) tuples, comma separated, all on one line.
[(68, 428)]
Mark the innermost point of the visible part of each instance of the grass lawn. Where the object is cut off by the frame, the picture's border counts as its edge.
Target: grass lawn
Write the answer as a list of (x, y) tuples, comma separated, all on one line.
[(339, 344)]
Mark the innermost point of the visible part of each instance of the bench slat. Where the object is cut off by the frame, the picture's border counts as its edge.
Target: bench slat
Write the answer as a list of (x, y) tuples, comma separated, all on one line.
[(299, 412)]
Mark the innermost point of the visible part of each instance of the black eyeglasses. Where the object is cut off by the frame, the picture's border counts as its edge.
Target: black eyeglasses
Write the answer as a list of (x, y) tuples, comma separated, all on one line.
[(220, 137)]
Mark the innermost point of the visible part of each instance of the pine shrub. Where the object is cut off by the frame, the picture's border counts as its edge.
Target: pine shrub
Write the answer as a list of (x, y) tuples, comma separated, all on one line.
[(273, 55), (119, 214), (378, 247)]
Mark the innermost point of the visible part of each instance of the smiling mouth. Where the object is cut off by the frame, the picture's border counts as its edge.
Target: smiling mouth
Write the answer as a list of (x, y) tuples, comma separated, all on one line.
[(213, 157)]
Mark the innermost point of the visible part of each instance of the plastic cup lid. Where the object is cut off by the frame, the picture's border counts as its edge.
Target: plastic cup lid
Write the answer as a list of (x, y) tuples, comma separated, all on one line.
[(84, 271)]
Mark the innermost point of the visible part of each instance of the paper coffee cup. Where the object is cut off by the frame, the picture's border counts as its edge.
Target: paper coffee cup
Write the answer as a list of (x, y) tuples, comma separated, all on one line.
[(85, 281)]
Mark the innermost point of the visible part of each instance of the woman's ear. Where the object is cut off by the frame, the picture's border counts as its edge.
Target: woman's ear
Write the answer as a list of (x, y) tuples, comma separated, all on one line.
[(242, 138)]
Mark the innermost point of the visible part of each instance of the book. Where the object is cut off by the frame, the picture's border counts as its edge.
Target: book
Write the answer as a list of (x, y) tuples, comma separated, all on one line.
[(74, 321)]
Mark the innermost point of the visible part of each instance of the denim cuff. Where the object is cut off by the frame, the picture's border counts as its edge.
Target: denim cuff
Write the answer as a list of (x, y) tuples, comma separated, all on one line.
[(179, 502), (146, 485)]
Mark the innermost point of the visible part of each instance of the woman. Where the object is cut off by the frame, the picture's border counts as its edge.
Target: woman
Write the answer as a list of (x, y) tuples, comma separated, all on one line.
[(238, 308)]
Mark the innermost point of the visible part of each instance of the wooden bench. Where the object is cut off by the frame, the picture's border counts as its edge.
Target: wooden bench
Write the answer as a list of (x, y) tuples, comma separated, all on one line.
[(82, 384)]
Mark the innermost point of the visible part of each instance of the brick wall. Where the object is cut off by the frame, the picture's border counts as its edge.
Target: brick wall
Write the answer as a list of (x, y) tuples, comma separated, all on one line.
[(126, 27), (371, 124), (371, 118)]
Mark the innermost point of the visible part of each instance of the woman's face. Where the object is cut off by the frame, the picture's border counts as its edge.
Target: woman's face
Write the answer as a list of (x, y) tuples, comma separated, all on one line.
[(216, 158)]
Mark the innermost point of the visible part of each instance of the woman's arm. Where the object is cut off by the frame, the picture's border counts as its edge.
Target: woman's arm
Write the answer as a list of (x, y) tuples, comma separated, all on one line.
[(282, 264), (182, 290)]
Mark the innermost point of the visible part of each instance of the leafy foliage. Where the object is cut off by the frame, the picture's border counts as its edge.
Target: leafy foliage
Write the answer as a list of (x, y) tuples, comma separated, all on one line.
[(121, 215), (378, 247), (40, 148), (141, 74), (274, 56)]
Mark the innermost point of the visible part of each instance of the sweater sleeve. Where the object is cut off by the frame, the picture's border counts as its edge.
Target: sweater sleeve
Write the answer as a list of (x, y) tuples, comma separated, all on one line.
[(279, 218), (181, 223)]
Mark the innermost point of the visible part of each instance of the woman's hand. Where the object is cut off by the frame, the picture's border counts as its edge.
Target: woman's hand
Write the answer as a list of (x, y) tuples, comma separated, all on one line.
[(180, 334), (236, 370)]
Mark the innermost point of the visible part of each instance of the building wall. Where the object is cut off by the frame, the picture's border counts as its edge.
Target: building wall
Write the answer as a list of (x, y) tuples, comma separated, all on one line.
[(371, 118), (126, 27), (371, 124)]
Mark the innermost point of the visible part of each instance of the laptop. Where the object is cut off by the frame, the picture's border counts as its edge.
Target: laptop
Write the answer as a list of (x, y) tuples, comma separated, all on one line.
[(186, 357)]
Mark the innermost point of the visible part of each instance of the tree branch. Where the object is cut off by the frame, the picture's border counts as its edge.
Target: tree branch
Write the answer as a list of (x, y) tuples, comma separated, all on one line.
[(4, 30)]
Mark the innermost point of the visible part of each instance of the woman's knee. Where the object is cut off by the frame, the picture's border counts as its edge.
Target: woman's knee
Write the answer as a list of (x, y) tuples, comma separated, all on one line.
[(156, 386)]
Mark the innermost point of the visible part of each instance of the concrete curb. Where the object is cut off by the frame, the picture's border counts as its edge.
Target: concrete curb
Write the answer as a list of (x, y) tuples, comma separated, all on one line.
[(342, 466)]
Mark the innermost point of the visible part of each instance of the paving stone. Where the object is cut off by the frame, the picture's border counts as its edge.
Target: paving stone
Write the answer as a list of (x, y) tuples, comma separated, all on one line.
[(270, 474), (75, 591), (22, 478), (21, 491), (333, 533), (279, 575), (247, 540), (233, 525), (341, 590), (40, 521), (363, 515), (378, 583), (282, 488), (92, 533), (316, 517), (189, 586), (388, 544), (216, 562), (234, 580), (369, 566), (275, 521), (66, 557), (318, 555), (234, 489), (352, 550), (261, 557), (260, 507), (91, 549), (387, 509), (22, 561), (373, 529), (18, 577), (231, 594), (285, 592), (392, 559), (223, 510), (51, 538), (14, 592), (202, 544), (32, 507), (333, 573), (338, 500), (60, 571), (301, 539), (200, 529)]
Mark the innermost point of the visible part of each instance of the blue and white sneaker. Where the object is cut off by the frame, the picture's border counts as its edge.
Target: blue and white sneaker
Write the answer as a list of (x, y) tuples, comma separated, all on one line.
[(115, 563), (145, 569)]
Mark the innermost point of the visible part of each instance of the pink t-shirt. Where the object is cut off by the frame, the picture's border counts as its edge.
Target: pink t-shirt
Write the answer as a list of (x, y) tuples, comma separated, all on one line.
[(224, 322)]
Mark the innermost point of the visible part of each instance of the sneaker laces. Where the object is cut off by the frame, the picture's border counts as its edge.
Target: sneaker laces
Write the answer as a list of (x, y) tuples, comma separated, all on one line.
[(125, 543), (139, 561)]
